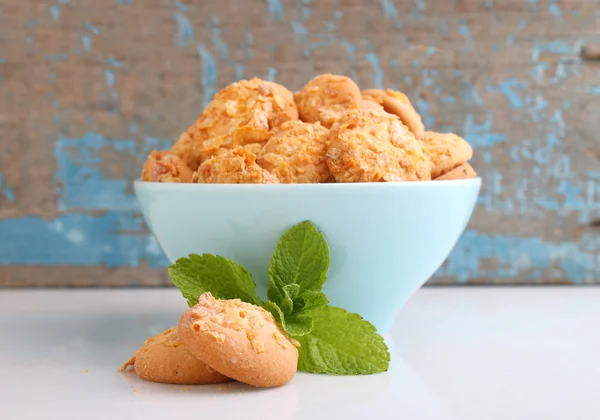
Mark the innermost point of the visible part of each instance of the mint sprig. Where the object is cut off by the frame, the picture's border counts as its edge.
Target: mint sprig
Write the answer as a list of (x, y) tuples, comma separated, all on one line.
[(224, 278), (342, 343), (332, 339)]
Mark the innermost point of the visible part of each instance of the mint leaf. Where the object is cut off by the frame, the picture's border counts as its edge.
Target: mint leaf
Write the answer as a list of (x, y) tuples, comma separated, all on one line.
[(299, 264), (298, 325), (283, 296), (224, 278), (275, 310), (295, 325), (309, 301), (342, 343)]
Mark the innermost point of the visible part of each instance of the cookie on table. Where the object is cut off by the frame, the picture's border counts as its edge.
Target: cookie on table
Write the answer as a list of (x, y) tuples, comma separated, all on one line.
[(164, 358), (166, 166), (462, 171), (296, 153), (447, 151), (397, 103), (326, 99), (374, 146), (240, 340)]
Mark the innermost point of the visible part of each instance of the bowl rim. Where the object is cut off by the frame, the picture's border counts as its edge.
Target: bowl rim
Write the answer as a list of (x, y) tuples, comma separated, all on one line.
[(138, 183)]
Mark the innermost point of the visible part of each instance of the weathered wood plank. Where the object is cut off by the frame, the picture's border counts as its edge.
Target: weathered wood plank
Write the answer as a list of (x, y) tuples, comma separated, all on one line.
[(88, 87)]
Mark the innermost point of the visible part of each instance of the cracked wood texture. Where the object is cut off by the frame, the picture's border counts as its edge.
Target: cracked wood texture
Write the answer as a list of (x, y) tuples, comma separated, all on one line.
[(89, 87)]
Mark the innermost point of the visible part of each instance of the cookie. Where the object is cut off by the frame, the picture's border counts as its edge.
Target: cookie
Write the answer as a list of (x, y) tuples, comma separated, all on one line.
[(164, 358), (447, 151), (374, 146), (368, 102), (462, 171), (184, 148), (240, 340), (296, 153), (235, 166), (165, 166), (397, 103), (241, 113), (326, 99)]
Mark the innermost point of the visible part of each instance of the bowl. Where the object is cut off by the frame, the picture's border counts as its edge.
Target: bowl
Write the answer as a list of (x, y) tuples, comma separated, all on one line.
[(385, 239)]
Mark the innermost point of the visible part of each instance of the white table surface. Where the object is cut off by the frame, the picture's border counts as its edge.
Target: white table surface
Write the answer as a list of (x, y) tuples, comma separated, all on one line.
[(457, 353)]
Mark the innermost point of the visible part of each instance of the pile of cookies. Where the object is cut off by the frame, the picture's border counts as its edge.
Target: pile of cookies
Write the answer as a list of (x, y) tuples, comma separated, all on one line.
[(218, 341), (258, 132)]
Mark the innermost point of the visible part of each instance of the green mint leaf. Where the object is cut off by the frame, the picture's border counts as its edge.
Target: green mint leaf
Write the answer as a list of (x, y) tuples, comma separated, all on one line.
[(342, 343), (292, 290), (224, 278), (298, 325), (301, 258), (295, 325), (275, 310), (281, 296), (309, 301)]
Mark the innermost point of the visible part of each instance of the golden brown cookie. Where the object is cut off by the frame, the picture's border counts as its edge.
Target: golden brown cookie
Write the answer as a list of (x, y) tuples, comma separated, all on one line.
[(240, 340), (184, 148), (165, 166), (447, 151), (164, 358), (243, 112), (462, 171), (233, 166), (326, 98), (374, 146), (296, 153), (397, 103), (368, 102)]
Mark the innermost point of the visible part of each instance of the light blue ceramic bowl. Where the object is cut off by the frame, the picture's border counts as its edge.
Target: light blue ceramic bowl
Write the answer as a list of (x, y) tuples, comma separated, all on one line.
[(385, 239)]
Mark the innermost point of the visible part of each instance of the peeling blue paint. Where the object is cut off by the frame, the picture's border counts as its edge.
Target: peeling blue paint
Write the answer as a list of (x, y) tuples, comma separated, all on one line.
[(389, 9), (111, 61), (124, 1), (424, 108), (218, 42), (209, 73), (271, 74), (554, 8), (306, 12), (480, 135), (7, 192), (80, 181), (350, 49), (509, 257), (185, 30), (92, 28), (63, 56), (420, 5), (86, 42), (464, 29), (275, 9), (239, 71), (52, 75), (2, 60), (55, 13), (508, 87), (372, 58), (113, 239), (110, 78)]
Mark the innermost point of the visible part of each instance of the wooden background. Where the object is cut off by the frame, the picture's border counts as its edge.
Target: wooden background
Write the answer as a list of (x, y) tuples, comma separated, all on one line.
[(88, 87)]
